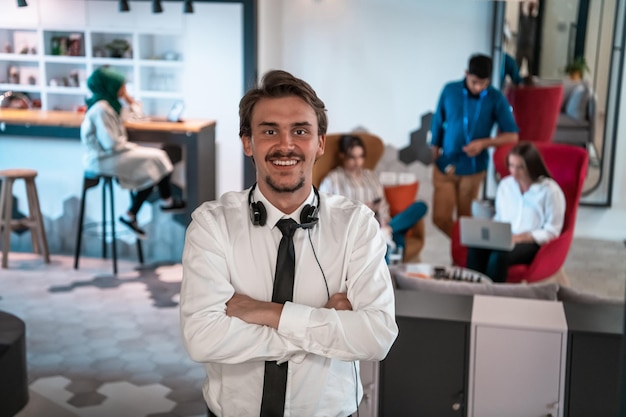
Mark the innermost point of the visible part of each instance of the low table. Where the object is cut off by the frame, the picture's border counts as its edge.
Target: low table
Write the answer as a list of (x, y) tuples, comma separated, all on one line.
[(442, 272)]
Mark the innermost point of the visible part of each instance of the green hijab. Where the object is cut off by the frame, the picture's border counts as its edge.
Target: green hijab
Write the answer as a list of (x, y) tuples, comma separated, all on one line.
[(105, 83)]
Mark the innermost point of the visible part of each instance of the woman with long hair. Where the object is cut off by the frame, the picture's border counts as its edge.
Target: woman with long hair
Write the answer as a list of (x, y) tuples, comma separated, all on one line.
[(532, 202)]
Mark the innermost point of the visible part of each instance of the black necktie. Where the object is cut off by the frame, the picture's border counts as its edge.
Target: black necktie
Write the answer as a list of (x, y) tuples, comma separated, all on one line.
[(275, 380)]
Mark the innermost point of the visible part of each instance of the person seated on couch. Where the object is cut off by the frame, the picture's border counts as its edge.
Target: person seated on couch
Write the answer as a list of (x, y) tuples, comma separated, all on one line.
[(353, 181), (532, 202)]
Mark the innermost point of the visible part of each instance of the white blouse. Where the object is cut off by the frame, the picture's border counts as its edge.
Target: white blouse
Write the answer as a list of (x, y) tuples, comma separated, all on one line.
[(540, 210)]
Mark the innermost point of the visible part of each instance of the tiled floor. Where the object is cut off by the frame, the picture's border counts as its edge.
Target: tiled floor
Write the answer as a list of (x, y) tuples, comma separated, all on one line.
[(101, 346)]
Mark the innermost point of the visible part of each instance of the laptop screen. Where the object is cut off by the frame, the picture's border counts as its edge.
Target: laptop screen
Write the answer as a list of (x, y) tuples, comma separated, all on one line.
[(176, 111)]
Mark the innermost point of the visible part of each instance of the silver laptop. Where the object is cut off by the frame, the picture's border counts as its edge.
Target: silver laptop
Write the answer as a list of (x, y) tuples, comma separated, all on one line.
[(173, 115), (486, 234)]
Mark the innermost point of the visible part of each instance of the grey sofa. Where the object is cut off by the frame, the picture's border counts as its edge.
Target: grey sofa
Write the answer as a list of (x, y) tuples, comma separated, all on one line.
[(576, 122)]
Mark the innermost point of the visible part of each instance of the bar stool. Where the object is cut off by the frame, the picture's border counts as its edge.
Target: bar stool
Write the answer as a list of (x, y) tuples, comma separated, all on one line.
[(91, 180), (33, 222)]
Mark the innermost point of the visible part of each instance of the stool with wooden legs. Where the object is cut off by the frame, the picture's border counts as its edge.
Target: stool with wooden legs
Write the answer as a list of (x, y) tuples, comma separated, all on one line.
[(91, 180), (33, 222)]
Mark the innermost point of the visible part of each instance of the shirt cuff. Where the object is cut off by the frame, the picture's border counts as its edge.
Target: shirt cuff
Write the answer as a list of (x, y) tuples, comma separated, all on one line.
[(540, 236), (294, 320)]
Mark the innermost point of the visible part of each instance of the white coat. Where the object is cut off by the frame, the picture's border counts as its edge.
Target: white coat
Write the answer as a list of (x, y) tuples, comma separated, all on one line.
[(108, 151)]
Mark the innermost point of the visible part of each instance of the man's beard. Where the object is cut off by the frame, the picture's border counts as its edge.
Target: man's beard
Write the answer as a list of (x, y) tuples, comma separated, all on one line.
[(284, 189)]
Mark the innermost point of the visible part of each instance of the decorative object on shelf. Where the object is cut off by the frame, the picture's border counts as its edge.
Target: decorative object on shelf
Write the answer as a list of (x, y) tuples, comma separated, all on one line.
[(70, 45), (58, 45), (14, 75), (73, 80), (75, 44), (188, 8), (118, 47), (124, 7), (28, 75), (170, 56), (24, 41), (576, 68), (8, 48), (21, 3), (156, 6), (15, 100)]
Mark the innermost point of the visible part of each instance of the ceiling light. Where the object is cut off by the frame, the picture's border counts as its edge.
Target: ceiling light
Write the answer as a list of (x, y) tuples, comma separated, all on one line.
[(21, 3), (124, 7), (156, 6), (188, 6)]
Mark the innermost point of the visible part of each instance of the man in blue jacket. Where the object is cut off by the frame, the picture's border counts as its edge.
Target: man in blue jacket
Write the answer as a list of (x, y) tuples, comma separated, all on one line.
[(461, 134)]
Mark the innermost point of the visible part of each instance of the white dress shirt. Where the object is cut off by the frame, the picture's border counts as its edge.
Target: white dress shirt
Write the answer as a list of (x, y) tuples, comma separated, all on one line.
[(540, 210), (225, 253)]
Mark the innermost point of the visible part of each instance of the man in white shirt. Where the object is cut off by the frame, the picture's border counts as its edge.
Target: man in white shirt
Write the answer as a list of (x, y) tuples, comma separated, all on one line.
[(343, 304)]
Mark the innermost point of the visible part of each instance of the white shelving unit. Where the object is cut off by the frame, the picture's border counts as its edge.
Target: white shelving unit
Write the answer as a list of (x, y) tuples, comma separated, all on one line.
[(51, 65)]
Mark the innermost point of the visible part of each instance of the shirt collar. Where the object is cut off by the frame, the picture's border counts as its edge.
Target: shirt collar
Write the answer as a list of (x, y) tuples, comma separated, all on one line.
[(274, 214)]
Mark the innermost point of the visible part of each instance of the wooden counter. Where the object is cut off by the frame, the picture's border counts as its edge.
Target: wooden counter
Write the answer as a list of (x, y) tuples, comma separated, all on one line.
[(73, 119), (191, 141)]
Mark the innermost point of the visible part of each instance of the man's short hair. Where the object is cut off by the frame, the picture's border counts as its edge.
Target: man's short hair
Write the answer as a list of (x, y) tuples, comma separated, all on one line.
[(278, 84), (480, 66)]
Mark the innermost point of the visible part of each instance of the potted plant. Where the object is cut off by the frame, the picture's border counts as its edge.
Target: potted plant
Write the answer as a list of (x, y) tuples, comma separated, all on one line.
[(576, 68), (118, 47)]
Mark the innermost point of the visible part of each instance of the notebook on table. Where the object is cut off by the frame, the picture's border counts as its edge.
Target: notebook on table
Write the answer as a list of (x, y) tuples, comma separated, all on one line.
[(486, 234)]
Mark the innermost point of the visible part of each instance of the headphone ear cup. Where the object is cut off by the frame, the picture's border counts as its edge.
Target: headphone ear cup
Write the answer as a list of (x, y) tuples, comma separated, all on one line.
[(258, 214), (308, 215)]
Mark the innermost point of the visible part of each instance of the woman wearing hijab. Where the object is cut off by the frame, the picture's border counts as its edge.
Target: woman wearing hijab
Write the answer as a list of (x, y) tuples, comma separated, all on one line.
[(108, 151)]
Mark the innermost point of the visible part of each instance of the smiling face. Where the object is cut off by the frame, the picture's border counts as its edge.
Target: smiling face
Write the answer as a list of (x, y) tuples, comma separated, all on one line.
[(285, 144)]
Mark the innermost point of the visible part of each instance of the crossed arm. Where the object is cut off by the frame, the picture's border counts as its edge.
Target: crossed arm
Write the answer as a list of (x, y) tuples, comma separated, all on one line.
[(222, 324), (267, 313)]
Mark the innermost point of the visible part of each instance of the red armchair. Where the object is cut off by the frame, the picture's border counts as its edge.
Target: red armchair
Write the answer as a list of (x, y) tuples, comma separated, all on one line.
[(568, 166), (536, 110)]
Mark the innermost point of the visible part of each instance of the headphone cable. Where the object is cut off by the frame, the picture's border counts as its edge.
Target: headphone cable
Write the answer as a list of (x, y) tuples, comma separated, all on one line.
[(318, 263)]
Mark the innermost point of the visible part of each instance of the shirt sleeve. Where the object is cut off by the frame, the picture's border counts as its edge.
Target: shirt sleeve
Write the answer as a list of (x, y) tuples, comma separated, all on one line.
[(208, 333), (511, 69), (110, 132), (504, 115), (554, 214), (500, 201), (437, 125), (368, 331)]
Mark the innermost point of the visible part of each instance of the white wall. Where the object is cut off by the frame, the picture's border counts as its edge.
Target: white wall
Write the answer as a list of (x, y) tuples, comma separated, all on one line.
[(375, 63)]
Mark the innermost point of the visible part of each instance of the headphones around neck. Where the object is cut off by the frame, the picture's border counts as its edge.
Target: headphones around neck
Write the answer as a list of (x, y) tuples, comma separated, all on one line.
[(308, 215)]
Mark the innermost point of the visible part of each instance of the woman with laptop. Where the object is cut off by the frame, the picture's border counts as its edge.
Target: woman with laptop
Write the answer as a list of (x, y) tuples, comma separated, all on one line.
[(108, 151), (532, 202)]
